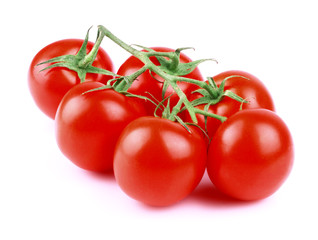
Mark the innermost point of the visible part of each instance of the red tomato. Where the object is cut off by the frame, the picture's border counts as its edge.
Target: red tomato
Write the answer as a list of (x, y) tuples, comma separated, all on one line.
[(251, 155), (158, 162), (251, 89), (49, 86), (88, 125), (146, 83)]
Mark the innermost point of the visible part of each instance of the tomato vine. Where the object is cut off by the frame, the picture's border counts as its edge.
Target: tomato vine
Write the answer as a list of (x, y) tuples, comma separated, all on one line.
[(170, 69)]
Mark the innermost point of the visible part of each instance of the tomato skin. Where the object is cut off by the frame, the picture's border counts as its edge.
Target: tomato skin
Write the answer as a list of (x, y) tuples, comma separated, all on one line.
[(145, 83), (251, 155), (88, 125), (158, 162), (251, 89), (48, 87)]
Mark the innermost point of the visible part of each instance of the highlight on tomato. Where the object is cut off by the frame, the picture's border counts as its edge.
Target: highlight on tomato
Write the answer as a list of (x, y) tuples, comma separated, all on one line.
[(49, 86), (158, 162), (250, 155), (88, 124)]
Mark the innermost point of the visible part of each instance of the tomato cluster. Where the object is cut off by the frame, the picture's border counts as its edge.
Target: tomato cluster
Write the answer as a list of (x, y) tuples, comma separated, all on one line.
[(156, 160)]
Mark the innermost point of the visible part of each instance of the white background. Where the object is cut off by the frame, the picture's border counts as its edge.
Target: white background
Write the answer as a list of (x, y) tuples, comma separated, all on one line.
[(44, 196)]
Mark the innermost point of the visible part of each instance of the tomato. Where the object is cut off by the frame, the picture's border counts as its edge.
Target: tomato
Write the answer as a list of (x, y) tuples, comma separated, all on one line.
[(88, 125), (248, 87), (151, 83), (48, 87), (251, 155), (158, 162)]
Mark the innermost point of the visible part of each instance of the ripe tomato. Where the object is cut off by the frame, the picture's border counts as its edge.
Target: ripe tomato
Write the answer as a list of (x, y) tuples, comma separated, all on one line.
[(88, 125), (49, 86), (158, 162), (146, 83), (250, 89), (250, 155)]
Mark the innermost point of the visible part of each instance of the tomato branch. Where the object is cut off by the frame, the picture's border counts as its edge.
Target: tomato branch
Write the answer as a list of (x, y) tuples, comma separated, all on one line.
[(90, 57), (122, 44), (171, 71)]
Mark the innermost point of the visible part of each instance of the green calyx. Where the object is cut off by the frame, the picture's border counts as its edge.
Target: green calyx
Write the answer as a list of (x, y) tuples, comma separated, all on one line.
[(170, 61), (81, 63), (212, 94)]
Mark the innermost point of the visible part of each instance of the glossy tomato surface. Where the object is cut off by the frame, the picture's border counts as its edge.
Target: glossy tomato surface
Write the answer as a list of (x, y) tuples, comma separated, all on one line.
[(248, 87), (151, 83), (88, 125), (158, 162), (48, 87), (251, 155)]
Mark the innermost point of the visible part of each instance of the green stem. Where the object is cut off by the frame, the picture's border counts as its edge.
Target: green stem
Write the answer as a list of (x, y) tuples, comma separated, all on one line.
[(161, 54), (177, 107), (171, 63), (119, 42), (90, 57)]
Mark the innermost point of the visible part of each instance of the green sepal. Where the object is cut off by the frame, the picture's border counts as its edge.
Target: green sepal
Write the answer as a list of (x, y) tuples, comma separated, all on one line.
[(184, 68), (179, 50), (128, 94), (180, 121), (92, 69), (212, 82), (166, 110), (202, 91), (204, 100), (229, 93), (104, 87), (234, 96), (67, 64), (221, 87), (201, 129), (64, 58), (150, 72)]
